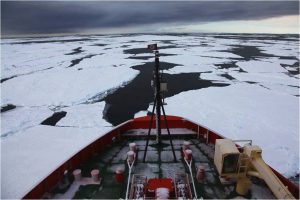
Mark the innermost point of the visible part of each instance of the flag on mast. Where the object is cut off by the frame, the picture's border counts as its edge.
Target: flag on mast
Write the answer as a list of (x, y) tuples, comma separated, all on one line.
[(152, 46)]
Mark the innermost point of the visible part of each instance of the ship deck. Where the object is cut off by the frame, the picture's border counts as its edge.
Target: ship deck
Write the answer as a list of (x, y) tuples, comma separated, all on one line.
[(159, 164)]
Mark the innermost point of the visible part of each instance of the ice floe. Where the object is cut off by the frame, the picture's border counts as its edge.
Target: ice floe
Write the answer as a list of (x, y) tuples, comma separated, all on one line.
[(21, 118), (84, 116), (260, 66), (30, 157), (282, 48), (42, 81), (189, 63), (214, 77), (246, 111), (66, 86)]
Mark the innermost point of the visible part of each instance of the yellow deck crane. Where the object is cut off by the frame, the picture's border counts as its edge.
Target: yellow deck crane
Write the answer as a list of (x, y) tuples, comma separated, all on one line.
[(241, 166)]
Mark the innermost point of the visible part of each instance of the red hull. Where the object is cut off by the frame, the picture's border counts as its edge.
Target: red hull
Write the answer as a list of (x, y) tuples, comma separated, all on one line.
[(139, 123)]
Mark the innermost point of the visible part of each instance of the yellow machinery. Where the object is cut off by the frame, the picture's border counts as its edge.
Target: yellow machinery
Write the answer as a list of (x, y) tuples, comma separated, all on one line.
[(231, 163)]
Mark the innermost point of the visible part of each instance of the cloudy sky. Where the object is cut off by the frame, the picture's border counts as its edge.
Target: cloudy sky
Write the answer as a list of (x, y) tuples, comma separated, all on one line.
[(55, 17)]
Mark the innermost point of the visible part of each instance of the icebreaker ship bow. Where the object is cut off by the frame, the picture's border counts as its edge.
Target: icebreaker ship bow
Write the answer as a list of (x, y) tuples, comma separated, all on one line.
[(173, 158)]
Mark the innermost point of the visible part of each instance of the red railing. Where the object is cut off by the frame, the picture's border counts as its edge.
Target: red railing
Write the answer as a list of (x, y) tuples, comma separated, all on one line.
[(139, 123)]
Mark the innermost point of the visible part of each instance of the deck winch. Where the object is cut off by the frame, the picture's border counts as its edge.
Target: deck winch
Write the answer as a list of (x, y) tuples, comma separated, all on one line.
[(160, 188)]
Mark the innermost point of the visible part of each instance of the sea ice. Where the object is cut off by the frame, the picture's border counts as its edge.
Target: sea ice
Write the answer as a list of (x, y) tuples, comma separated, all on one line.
[(21, 118), (25, 161), (84, 116), (270, 78), (20, 59), (190, 63), (247, 111), (282, 48), (215, 76), (63, 87), (260, 66), (43, 80)]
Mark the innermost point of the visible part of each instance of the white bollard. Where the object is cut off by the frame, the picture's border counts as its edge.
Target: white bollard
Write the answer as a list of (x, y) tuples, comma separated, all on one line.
[(77, 174), (132, 147), (188, 154), (130, 156), (162, 193), (186, 145), (95, 175)]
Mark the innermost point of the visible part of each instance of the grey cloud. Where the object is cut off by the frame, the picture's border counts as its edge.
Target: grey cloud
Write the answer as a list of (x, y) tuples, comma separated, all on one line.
[(57, 16)]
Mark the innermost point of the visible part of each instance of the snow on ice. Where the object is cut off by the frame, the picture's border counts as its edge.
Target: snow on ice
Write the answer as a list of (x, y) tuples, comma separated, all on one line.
[(84, 116), (26, 161), (21, 118), (66, 86), (247, 111), (47, 75), (261, 66)]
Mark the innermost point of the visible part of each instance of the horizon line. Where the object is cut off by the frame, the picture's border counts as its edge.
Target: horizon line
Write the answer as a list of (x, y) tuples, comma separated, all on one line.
[(37, 35)]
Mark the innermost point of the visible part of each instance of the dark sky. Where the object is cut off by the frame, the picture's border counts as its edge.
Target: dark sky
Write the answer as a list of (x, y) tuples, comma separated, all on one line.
[(37, 17)]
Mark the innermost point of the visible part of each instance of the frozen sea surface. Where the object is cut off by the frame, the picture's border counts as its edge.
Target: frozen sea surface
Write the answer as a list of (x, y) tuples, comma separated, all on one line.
[(246, 115), (242, 86)]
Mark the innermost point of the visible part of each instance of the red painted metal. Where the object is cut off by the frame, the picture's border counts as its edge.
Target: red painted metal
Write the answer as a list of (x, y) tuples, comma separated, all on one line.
[(120, 175), (152, 46), (293, 188), (155, 183), (138, 123)]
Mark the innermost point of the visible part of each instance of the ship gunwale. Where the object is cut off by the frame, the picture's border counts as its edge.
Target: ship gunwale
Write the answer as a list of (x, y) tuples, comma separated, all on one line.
[(99, 144)]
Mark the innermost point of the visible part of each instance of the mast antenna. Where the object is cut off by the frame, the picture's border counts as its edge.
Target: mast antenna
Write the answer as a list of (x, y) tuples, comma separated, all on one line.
[(158, 104)]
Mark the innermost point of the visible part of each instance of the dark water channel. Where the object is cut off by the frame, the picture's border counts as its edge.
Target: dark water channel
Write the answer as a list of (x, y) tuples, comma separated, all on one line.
[(138, 94), (7, 107), (76, 51), (52, 120), (248, 52)]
